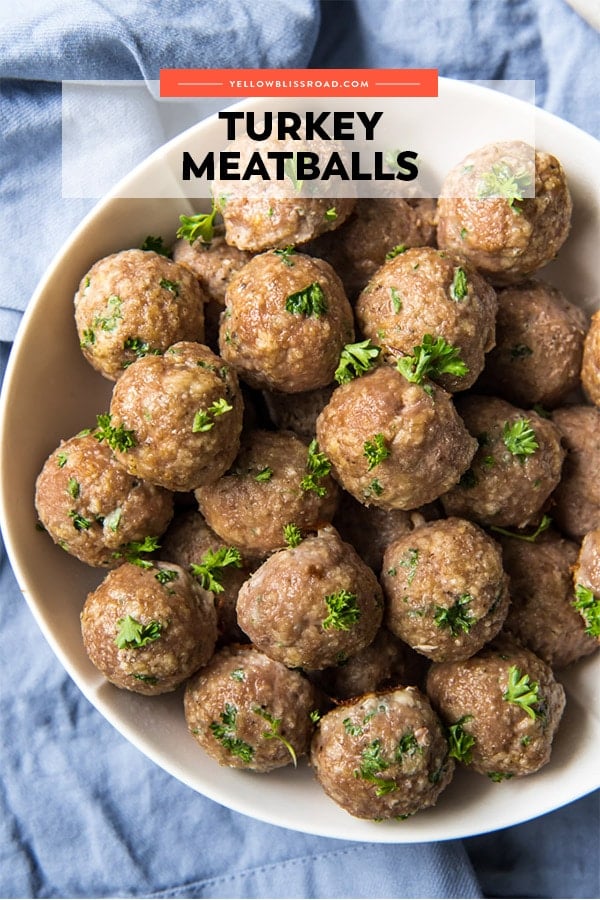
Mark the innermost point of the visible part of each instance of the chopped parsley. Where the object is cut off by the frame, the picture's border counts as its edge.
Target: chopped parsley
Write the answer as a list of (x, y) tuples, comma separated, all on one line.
[(61, 459), (355, 360), (73, 488), (497, 777), (460, 741), (146, 679), (88, 338), (343, 611), (132, 635), (156, 244), (237, 674), (396, 300), (456, 617), (460, 285), (172, 286), (309, 301), (206, 571), (407, 746), (396, 251), (110, 322), (225, 732), (375, 450), (374, 488), (166, 576), (373, 763), (410, 561), (132, 552), (264, 475), (502, 181), (140, 348), (331, 214), (200, 226), (80, 523), (524, 692), (544, 524), (318, 467), (433, 357), (292, 535), (204, 419), (117, 438), (274, 731), (285, 254), (519, 438), (588, 605)]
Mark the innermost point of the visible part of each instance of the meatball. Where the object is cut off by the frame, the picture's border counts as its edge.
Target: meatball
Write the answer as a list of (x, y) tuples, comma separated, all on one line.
[(148, 629), (542, 615), (286, 322), (214, 263), (312, 605), (382, 756), (259, 215), (503, 707), (577, 498), (298, 413), (379, 227), (482, 214), (392, 443), (590, 369), (275, 481), (134, 303), (176, 419), (426, 291), (539, 345), (250, 712), (516, 468), (189, 542), (586, 579), (386, 663), (446, 591), (91, 507)]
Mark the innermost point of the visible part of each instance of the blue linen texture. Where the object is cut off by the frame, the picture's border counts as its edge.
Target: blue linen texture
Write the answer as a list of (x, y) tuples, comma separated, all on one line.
[(82, 812)]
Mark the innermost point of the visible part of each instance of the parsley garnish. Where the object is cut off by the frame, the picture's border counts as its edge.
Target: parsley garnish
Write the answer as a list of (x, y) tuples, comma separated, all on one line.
[(460, 285), (110, 322), (519, 438), (156, 245), (140, 348), (204, 418), (292, 535), (285, 254), (73, 488), (318, 467), (460, 741), (375, 488), (396, 300), (456, 617), (355, 360), (201, 226), (522, 691), (237, 674), (224, 732), (61, 459), (407, 746), (410, 561), (588, 605), (375, 450), (80, 523), (309, 301), (343, 611), (396, 251), (119, 438), (165, 576), (501, 181), (212, 561), (88, 337), (433, 357), (544, 524), (132, 551), (264, 475), (499, 776), (172, 286), (331, 215), (274, 731), (372, 763), (147, 679), (132, 634)]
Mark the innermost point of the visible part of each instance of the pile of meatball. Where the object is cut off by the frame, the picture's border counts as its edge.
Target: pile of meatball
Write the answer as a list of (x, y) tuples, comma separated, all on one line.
[(347, 490)]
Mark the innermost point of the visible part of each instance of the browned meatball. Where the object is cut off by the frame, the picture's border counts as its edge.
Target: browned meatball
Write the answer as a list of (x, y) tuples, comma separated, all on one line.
[(91, 507), (298, 413), (542, 615), (586, 579), (386, 663), (249, 712), (516, 468), (426, 291), (446, 590), (482, 216), (503, 707), (378, 227), (312, 605), (577, 498), (539, 344), (214, 263), (383, 756), (176, 419), (148, 629), (274, 482), (392, 443), (134, 303), (189, 542), (286, 322), (590, 370)]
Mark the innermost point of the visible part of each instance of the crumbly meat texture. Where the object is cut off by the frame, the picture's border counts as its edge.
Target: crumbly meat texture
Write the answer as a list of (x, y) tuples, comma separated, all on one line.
[(423, 445), (313, 605), (446, 591), (505, 738), (586, 581), (590, 369), (286, 322), (184, 411), (576, 508), (133, 303), (539, 346), (268, 487), (505, 486), (426, 291), (377, 227), (542, 615), (214, 263), (298, 413), (480, 217), (173, 635), (188, 541), (382, 756), (91, 507), (250, 712)]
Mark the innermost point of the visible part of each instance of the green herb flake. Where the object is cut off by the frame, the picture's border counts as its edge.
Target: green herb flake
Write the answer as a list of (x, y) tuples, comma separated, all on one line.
[(309, 301), (204, 419), (375, 451), (140, 348), (264, 475), (117, 437), (588, 605), (315, 716), (355, 360), (80, 523), (166, 576), (433, 357), (211, 563), (156, 245), (225, 732), (463, 233), (372, 764), (456, 617), (502, 181), (396, 251), (113, 519), (318, 467), (292, 535), (274, 731), (331, 215), (531, 538), (343, 611), (73, 488), (407, 746), (524, 692), (519, 438), (171, 286), (460, 741), (497, 777), (237, 675), (110, 321), (88, 338), (410, 561), (285, 255), (396, 300), (460, 285), (375, 488), (198, 227), (133, 550), (146, 679), (352, 728), (61, 459), (132, 635)]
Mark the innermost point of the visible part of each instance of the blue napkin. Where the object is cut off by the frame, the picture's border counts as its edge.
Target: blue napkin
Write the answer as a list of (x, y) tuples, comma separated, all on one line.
[(82, 812)]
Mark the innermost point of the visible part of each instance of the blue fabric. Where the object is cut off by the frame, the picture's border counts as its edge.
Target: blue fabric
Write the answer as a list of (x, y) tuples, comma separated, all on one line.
[(82, 813)]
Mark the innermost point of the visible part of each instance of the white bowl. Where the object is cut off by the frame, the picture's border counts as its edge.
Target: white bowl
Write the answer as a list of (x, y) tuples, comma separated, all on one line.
[(50, 393)]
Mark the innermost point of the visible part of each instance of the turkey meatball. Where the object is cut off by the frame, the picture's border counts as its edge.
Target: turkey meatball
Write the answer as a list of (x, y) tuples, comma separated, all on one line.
[(250, 712), (148, 629), (135, 303), (590, 370), (392, 443), (484, 215), (586, 579), (286, 322), (176, 419), (577, 498), (91, 507), (312, 605), (382, 756)]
